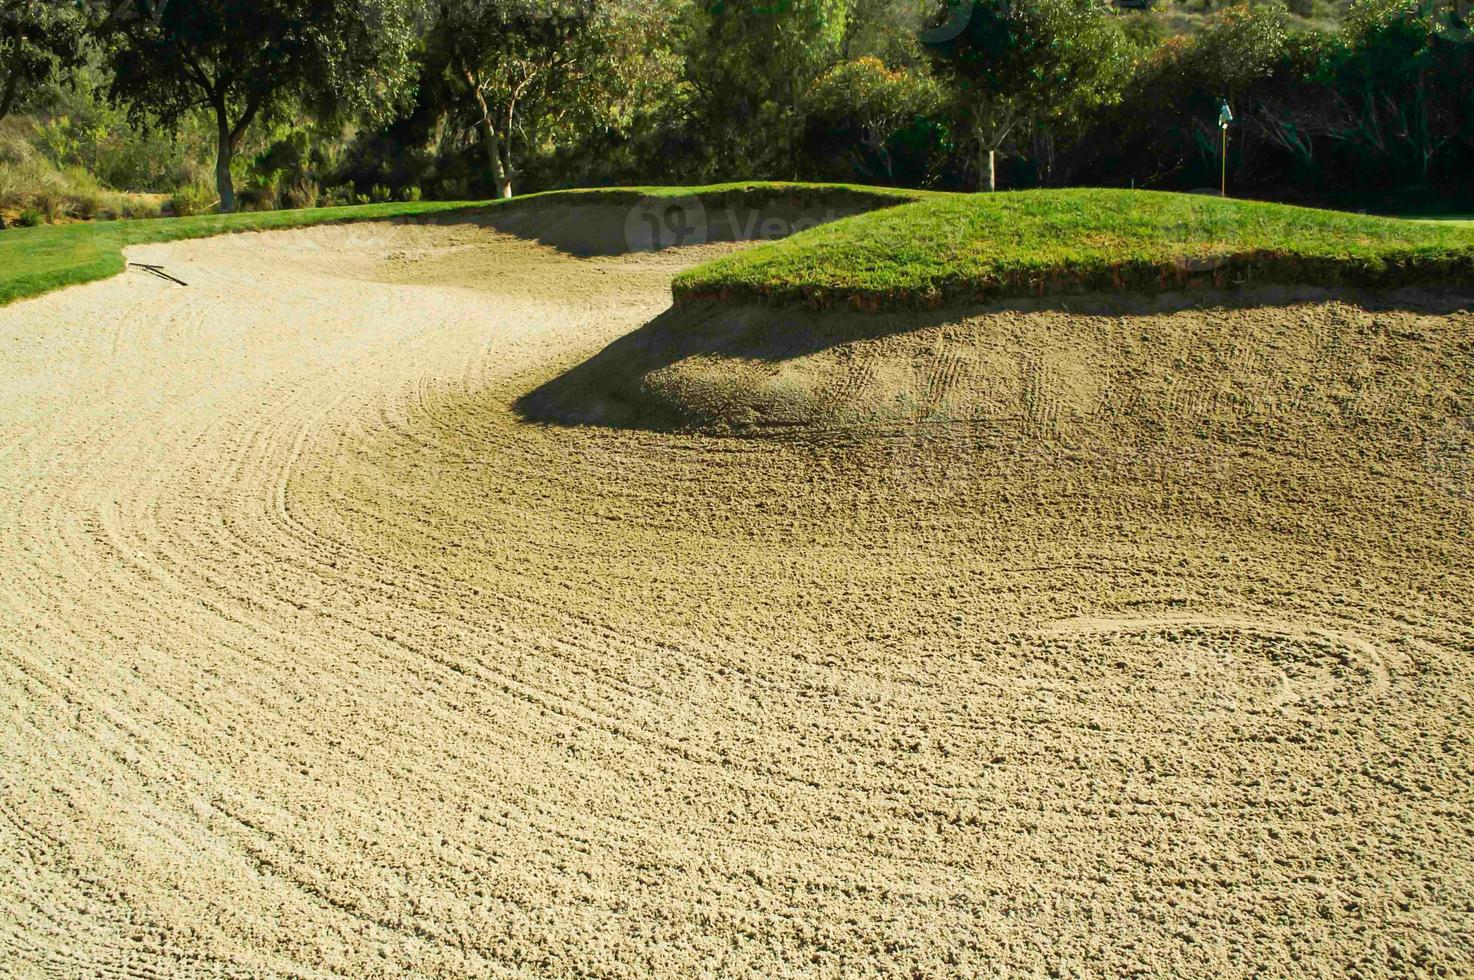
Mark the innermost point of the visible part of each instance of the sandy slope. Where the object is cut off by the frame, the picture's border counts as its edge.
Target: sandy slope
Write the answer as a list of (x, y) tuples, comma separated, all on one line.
[(316, 658)]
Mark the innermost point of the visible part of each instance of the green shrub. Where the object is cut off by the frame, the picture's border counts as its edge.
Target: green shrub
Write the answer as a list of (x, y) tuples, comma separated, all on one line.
[(256, 199), (411, 193), (137, 207), (303, 193), (191, 200), (337, 197), (30, 218), (16, 149), (454, 189), (86, 206), (54, 203), (379, 194)]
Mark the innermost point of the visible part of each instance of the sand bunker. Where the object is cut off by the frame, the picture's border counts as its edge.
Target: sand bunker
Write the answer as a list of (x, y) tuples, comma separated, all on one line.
[(1117, 644), (658, 223), (1244, 370)]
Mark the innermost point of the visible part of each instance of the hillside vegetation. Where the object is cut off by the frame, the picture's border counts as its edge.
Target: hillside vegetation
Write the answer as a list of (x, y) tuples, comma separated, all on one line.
[(1361, 104)]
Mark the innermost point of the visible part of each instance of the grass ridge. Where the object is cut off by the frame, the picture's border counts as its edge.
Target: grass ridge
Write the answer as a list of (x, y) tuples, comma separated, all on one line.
[(956, 248)]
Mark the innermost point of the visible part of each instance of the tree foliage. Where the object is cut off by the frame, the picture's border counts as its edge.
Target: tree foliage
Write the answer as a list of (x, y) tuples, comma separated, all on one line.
[(750, 65), (1014, 65), (36, 36), (519, 61), (877, 103), (244, 60), (350, 99)]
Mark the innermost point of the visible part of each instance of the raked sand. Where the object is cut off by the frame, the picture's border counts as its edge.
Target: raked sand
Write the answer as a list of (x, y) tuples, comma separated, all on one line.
[(319, 656)]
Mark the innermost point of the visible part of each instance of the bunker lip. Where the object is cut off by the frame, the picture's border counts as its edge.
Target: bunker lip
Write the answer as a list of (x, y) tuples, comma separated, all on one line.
[(1232, 284), (595, 223), (1192, 292), (724, 367)]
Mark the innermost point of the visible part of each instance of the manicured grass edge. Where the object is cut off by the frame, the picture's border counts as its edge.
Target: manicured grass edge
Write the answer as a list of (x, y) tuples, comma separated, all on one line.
[(73, 254), (1395, 270)]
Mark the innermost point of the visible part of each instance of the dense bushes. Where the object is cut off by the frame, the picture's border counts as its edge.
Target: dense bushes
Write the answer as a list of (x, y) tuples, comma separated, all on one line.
[(1384, 104), (1049, 93), (34, 189)]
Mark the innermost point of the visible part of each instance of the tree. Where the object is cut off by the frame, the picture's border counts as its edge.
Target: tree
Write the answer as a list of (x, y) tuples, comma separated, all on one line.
[(1288, 109), (1243, 54), (511, 54), (751, 65), (1016, 64), (248, 60), (35, 37), (876, 101), (883, 29)]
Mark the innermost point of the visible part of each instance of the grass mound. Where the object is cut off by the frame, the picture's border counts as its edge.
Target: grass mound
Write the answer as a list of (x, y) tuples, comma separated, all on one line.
[(953, 248), (614, 221)]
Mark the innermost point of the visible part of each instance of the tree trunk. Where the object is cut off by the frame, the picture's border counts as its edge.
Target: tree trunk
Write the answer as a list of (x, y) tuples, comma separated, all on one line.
[(223, 182), (987, 166), (505, 190), (7, 98), (499, 177)]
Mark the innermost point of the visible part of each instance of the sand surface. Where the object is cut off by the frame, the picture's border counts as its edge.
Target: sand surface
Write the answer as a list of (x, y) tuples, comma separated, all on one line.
[(318, 658)]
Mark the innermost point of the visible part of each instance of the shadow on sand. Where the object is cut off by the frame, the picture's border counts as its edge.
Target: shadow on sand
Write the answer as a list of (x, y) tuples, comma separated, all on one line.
[(626, 384)]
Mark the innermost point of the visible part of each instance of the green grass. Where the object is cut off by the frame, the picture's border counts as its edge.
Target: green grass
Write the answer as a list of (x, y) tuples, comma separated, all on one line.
[(741, 191), (968, 248), (1466, 220)]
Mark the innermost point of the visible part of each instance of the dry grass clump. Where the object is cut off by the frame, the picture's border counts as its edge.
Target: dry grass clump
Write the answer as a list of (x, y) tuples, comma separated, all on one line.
[(33, 190)]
